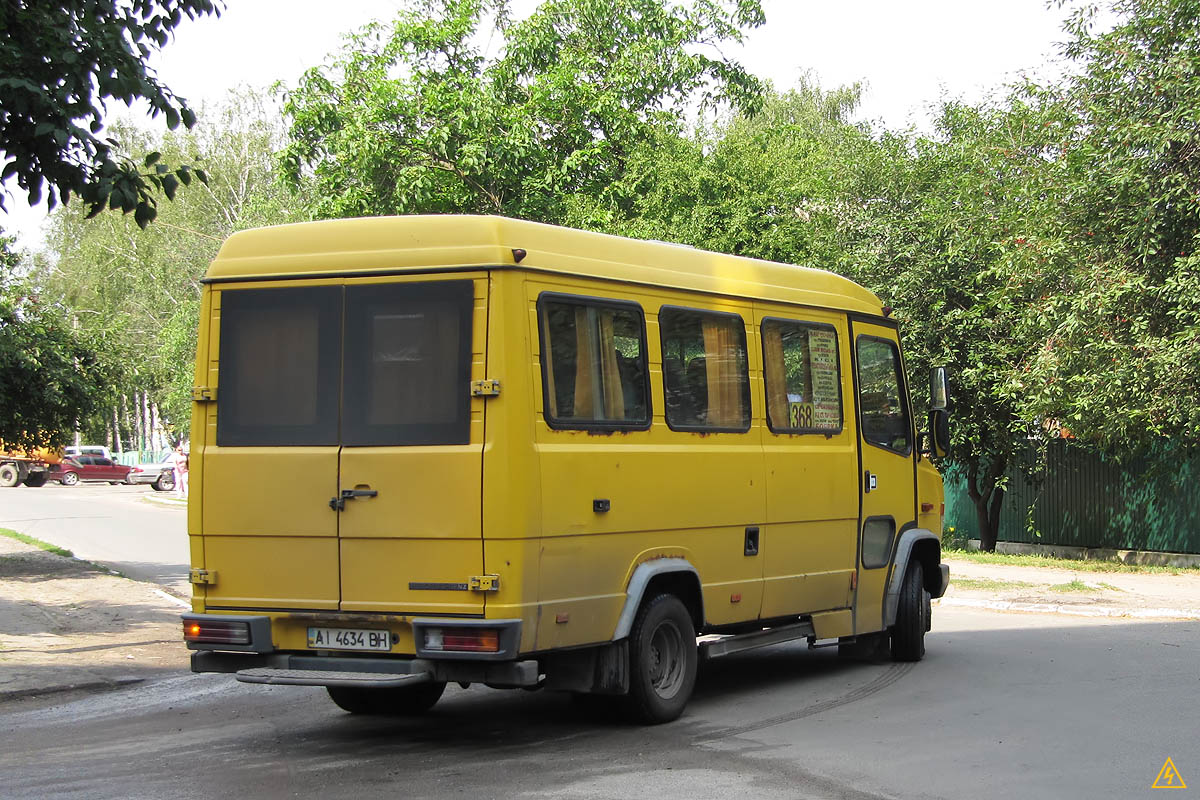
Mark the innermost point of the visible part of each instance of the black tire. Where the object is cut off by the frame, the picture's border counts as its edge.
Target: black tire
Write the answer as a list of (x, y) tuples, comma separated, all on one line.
[(165, 482), (662, 661), (9, 475), (399, 701), (70, 478), (912, 616), (35, 479)]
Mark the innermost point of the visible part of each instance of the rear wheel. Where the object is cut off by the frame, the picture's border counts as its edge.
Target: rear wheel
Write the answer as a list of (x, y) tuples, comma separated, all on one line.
[(9, 475), (912, 616), (399, 701), (165, 482), (662, 661), (70, 479), (35, 479)]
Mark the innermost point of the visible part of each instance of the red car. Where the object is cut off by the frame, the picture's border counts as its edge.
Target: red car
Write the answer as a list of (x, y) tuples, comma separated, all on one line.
[(89, 468)]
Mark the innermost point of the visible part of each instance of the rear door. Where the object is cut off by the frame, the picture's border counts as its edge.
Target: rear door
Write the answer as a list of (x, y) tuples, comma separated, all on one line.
[(347, 466), (412, 445), (270, 466)]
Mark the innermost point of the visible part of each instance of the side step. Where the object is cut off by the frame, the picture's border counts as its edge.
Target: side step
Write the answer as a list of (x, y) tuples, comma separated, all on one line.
[(728, 645), (315, 677)]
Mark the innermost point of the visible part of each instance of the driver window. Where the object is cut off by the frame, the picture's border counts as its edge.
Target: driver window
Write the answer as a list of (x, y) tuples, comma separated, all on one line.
[(885, 420)]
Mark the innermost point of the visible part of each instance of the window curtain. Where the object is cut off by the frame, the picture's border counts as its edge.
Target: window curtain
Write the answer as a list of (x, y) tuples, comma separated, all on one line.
[(724, 374), (614, 395), (777, 402), (548, 357), (585, 372)]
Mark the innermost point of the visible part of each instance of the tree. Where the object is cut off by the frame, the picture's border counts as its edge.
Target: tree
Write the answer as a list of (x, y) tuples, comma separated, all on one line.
[(414, 117), (139, 290), (62, 61), (50, 374), (764, 186), (960, 231), (1122, 365)]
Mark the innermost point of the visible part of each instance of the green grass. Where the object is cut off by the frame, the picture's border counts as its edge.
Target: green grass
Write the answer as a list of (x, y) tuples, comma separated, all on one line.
[(987, 584), (1013, 560), (50, 548), (1073, 586)]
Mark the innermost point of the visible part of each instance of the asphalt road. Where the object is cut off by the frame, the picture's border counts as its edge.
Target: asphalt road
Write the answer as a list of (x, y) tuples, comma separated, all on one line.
[(110, 525), (1003, 706)]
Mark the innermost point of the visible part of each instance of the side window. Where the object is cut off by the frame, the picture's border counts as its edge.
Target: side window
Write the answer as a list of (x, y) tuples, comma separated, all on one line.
[(705, 370), (884, 413), (594, 370), (804, 391)]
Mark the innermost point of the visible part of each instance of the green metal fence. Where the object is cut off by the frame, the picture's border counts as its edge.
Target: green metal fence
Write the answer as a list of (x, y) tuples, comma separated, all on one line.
[(1081, 499)]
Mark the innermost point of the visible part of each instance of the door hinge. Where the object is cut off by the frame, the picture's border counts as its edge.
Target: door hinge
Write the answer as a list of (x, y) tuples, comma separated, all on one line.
[(488, 388), (203, 576), (484, 583), (203, 394)]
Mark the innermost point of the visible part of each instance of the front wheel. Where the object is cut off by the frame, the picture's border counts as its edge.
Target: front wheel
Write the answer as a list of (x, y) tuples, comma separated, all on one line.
[(70, 479), (912, 616), (662, 661), (165, 482), (396, 701)]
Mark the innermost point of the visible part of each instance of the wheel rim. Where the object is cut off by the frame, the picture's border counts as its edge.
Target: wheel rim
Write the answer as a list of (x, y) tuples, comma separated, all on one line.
[(666, 659), (70, 479)]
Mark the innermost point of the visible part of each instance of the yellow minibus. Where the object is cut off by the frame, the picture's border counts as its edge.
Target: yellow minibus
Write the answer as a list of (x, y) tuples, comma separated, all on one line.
[(435, 449)]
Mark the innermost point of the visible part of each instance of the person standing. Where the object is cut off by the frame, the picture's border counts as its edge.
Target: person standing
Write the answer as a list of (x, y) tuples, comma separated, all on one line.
[(181, 471)]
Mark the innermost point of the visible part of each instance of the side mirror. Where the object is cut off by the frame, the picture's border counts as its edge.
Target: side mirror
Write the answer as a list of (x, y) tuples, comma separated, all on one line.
[(939, 389), (939, 416)]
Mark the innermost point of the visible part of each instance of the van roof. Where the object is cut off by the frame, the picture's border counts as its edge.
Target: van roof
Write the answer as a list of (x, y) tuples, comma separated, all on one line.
[(430, 243)]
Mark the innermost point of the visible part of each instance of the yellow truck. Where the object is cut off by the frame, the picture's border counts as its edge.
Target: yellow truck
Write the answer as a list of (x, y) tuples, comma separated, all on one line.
[(436, 449), (29, 467)]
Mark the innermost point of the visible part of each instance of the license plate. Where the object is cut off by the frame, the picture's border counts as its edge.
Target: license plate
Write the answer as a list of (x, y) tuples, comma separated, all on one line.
[(349, 639)]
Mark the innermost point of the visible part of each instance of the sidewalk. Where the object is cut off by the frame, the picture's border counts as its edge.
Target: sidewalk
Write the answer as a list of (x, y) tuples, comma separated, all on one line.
[(66, 624), (1047, 590)]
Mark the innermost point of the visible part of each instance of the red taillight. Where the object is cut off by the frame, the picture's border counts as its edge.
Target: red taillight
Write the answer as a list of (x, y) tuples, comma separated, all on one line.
[(135, 469), (463, 640), (213, 631)]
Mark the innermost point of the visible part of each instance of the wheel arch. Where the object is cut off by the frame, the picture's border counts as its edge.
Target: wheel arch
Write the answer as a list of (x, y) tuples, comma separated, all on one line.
[(926, 548), (674, 575)]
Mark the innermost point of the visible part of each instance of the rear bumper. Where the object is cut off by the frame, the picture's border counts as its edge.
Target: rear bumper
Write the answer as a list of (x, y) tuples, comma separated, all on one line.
[(309, 670), (261, 662)]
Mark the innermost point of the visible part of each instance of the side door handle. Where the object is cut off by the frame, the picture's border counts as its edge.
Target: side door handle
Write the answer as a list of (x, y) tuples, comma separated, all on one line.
[(870, 482), (339, 503)]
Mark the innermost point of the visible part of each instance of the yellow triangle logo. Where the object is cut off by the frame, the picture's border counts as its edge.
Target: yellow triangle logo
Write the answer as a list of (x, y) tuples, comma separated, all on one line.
[(1169, 777)]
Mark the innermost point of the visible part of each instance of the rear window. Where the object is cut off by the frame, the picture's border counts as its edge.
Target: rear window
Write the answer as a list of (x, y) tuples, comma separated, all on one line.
[(358, 366), (279, 366), (407, 364)]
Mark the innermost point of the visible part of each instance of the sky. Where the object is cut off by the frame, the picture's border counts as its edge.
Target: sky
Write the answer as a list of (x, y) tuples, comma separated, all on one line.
[(907, 53)]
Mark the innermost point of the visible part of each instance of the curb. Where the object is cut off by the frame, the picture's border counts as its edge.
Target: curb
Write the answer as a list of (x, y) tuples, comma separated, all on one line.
[(89, 686), (169, 502), (1073, 611)]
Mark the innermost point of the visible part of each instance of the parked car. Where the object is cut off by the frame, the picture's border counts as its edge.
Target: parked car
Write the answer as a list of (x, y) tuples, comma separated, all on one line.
[(89, 468), (71, 451), (160, 475)]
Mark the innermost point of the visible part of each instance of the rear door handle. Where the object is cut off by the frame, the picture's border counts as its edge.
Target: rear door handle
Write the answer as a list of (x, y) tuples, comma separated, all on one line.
[(339, 503)]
